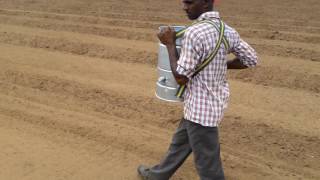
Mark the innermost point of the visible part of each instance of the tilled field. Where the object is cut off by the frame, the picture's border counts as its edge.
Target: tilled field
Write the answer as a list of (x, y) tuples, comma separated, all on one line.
[(77, 85)]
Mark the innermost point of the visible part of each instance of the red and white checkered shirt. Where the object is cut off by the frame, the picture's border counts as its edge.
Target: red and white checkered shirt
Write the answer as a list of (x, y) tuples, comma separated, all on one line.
[(207, 94)]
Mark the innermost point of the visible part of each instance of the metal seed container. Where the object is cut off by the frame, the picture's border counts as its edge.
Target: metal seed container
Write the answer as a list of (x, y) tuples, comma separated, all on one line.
[(167, 86)]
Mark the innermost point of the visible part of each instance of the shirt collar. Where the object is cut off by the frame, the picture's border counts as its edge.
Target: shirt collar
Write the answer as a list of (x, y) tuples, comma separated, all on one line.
[(209, 15)]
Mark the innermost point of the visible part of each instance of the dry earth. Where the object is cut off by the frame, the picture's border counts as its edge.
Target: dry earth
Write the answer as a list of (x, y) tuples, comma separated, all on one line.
[(77, 85)]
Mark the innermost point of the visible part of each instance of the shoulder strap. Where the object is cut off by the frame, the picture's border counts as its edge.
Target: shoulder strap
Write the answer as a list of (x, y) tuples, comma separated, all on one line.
[(180, 33), (213, 53), (224, 39), (207, 60)]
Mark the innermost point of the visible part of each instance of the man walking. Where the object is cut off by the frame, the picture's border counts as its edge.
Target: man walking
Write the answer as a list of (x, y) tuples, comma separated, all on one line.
[(201, 69)]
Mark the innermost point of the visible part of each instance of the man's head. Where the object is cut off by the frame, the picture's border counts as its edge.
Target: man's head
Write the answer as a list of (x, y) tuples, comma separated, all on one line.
[(194, 8)]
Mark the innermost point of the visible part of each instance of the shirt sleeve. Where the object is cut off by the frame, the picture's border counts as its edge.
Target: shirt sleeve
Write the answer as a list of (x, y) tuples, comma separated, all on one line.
[(246, 54), (190, 55)]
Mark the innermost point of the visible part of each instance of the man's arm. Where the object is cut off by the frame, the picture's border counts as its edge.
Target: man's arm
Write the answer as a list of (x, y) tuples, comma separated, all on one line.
[(173, 57), (246, 56)]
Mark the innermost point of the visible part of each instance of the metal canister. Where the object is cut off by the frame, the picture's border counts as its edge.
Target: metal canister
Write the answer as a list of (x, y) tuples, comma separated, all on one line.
[(166, 85)]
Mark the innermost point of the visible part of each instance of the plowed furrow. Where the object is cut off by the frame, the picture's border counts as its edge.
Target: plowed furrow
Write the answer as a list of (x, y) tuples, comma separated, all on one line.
[(272, 27), (85, 49), (87, 16), (170, 10), (96, 99), (280, 50), (112, 17), (56, 154), (68, 104), (280, 35), (276, 77), (275, 143), (149, 19), (272, 21), (99, 51), (89, 128), (125, 33), (42, 22), (140, 84), (86, 19), (270, 76)]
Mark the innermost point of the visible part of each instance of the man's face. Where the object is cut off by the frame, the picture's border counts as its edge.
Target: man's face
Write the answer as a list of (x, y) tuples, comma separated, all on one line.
[(193, 8)]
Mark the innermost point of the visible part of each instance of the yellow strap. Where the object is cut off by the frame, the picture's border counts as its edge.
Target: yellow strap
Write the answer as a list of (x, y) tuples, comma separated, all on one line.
[(180, 33), (225, 41)]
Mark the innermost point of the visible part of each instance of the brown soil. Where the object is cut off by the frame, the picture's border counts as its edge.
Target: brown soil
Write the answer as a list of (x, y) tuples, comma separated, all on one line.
[(77, 85)]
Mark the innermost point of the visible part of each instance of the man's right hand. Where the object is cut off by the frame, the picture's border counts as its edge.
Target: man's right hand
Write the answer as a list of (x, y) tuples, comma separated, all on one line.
[(167, 36)]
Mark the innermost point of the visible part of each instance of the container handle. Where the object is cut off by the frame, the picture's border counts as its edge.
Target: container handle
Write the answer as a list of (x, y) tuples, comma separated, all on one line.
[(162, 79)]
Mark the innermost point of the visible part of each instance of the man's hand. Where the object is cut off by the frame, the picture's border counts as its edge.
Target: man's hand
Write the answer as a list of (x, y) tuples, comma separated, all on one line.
[(236, 64), (167, 36)]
